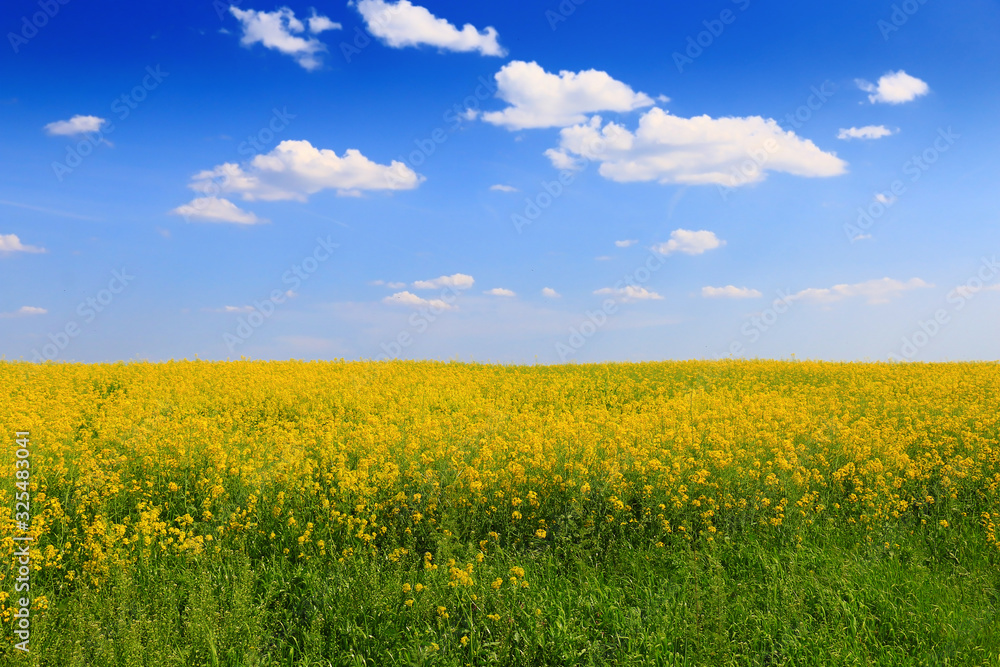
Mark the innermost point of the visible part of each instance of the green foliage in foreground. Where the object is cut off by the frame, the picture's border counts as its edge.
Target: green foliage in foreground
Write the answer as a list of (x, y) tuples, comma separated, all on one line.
[(830, 601)]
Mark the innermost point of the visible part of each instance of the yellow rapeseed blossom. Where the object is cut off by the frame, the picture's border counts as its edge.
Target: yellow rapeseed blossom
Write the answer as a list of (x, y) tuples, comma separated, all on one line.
[(150, 463)]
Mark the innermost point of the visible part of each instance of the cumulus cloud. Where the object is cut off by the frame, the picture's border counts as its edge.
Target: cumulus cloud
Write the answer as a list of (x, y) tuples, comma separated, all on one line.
[(413, 301), (550, 293), (456, 280), (630, 293), (215, 209), (729, 292), (693, 151), (75, 125), (503, 188), (866, 132), (689, 242), (404, 24), (297, 169), (390, 284), (626, 243), (500, 291), (11, 243), (894, 88), (25, 311), (540, 99), (318, 24), (877, 291), (280, 30)]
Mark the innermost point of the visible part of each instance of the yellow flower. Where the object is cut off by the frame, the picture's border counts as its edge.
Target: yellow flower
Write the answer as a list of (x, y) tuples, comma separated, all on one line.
[(406, 588), (540, 534), (497, 583), (409, 603)]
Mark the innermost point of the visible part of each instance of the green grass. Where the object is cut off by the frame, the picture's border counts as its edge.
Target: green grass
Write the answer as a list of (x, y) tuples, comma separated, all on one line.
[(834, 600)]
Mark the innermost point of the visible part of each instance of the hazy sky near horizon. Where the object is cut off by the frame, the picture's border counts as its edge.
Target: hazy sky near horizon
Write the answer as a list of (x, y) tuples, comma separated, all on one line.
[(499, 181)]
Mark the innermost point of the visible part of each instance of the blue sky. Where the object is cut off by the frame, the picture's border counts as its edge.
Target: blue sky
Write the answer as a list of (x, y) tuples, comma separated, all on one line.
[(499, 181)]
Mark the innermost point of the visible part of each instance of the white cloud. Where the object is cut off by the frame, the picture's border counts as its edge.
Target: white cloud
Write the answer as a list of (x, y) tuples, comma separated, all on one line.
[(550, 293), (693, 151), (11, 243), (500, 291), (75, 125), (230, 309), (390, 284), (405, 24), (275, 31), (296, 169), (689, 242), (214, 209), (626, 243), (866, 132), (318, 24), (630, 293), (412, 300), (887, 200), (25, 311), (540, 99), (503, 188), (457, 280), (875, 291), (730, 292), (894, 88), (968, 292)]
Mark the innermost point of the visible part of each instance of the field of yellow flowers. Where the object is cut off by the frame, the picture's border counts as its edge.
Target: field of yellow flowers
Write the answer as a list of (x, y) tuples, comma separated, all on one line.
[(367, 513)]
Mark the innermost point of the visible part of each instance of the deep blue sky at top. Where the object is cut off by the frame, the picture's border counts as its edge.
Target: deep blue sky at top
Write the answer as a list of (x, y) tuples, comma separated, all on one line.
[(194, 280)]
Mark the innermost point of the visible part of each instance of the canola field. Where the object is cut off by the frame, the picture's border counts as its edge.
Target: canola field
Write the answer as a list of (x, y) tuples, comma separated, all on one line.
[(410, 513)]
